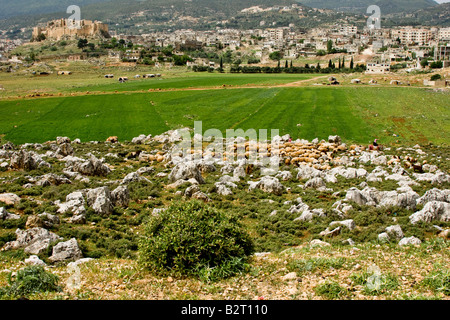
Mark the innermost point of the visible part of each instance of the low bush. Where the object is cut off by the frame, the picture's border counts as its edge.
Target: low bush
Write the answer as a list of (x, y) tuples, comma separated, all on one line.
[(194, 239), (30, 280)]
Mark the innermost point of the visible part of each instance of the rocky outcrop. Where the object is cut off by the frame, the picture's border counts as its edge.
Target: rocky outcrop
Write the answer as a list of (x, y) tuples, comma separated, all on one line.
[(33, 241), (27, 160), (66, 251), (403, 198), (99, 199), (186, 171), (268, 184), (5, 215), (9, 198), (433, 210), (92, 167)]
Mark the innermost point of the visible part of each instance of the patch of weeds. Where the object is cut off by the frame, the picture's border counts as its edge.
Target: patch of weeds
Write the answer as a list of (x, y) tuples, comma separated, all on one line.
[(229, 268), (331, 290), (313, 264), (30, 280), (438, 280)]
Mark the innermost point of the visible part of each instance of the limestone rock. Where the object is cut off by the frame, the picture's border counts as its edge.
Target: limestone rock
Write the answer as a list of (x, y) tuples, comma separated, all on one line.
[(185, 171), (66, 251), (409, 241), (433, 210), (268, 184), (34, 241)]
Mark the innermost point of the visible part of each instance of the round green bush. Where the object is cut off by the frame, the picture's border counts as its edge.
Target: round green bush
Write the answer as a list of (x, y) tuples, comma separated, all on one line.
[(194, 239)]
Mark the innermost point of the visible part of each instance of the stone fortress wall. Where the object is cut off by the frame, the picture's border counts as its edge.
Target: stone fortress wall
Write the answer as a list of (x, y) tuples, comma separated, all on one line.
[(65, 28)]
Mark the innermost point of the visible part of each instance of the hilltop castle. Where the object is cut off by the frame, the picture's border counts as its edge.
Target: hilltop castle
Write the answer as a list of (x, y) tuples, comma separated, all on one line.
[(68, 29)]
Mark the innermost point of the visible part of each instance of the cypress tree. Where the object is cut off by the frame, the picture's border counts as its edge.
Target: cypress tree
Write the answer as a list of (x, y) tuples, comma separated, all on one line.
[(286, 65), (351, 64), (291, 64), (330, 64)]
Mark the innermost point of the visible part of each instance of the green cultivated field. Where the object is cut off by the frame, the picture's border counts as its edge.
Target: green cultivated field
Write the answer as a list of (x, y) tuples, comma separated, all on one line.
[(357, 114)]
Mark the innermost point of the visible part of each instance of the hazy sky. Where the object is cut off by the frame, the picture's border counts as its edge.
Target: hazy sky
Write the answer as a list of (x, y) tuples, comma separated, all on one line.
[(442, 1)]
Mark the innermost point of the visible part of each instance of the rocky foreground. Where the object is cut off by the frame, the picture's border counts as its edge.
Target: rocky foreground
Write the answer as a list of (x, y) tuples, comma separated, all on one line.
[(60, 200)]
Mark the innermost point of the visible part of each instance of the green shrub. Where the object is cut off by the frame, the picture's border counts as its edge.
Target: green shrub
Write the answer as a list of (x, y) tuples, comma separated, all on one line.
[(32, 279), (194, 239)]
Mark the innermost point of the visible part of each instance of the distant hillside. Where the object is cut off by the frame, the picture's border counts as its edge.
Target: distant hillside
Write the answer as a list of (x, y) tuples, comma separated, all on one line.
[(435, 16), (387, 6), (10, 9)]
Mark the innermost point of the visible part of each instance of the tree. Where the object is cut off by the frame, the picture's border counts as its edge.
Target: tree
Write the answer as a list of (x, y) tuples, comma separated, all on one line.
[(278, 64), (82, 43), (286, 65), (424, 63), (276, 55), (343, 62), (291, 64), (318, 66), (351, 64), (221, 63), (340, 66), (330, 46), (330, 64)]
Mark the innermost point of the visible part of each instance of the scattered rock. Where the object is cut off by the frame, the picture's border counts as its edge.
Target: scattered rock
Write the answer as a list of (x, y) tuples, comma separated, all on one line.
[(9, 198), (409, 241), (66, 251), (35, 261), (33, 241)]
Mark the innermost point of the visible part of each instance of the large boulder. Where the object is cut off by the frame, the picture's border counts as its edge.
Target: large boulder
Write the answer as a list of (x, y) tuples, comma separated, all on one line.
[(267, 184), (27, 160), (315, 183), (306, 172), (51, 179), (403, 197), (394, 232), (134, 177), (433, 210), (66, 251), (92, 167), (349, 223), (75, 203), (120, 196), (435, 195), (9, 198), (185, 171), (5, 215), (99, 199), (308, 215), (409, 241), (64, 150), (33, 241)]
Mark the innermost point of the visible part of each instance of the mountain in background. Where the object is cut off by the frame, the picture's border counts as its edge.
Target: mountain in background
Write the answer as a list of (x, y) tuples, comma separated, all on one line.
[(10, 9), (360, 6), (144, 16)]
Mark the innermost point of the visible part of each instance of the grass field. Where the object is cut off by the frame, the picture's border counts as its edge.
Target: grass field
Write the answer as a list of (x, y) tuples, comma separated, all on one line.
[(357, 114)]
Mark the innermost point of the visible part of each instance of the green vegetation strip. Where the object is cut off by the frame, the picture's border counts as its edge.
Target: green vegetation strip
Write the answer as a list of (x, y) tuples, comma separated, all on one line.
[(404, 115)]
